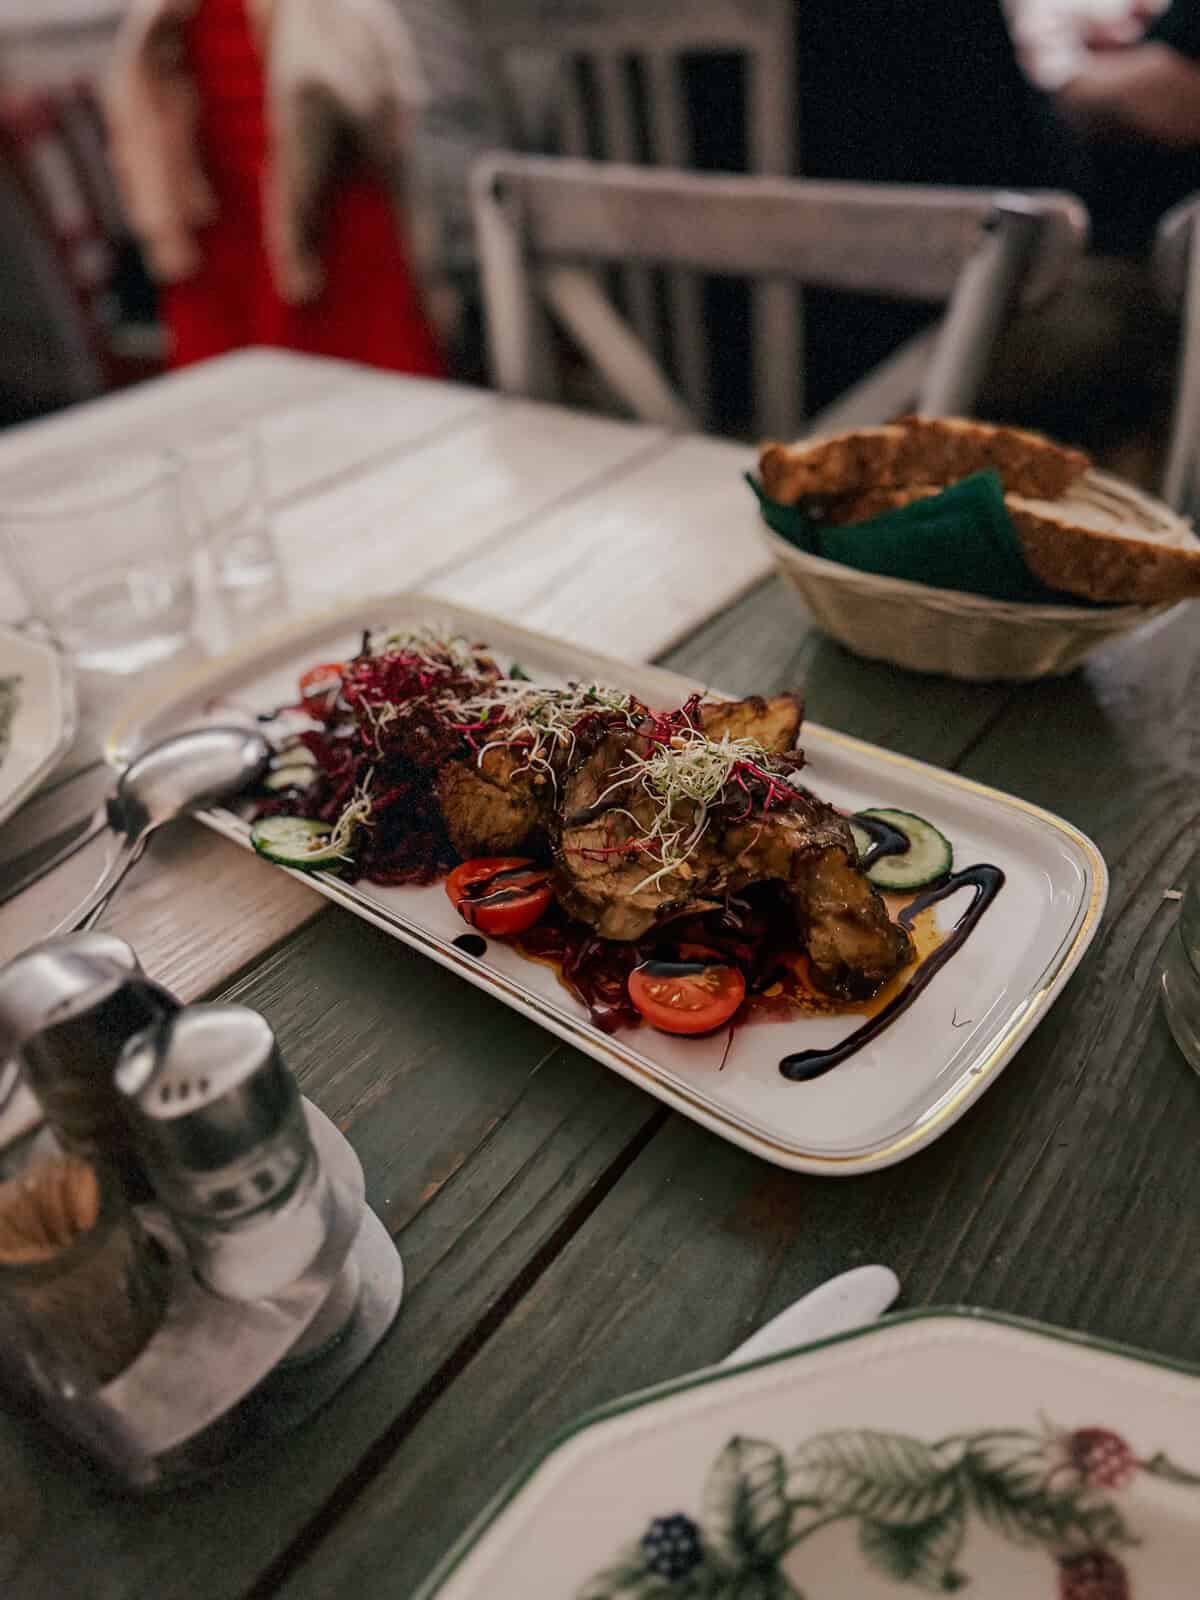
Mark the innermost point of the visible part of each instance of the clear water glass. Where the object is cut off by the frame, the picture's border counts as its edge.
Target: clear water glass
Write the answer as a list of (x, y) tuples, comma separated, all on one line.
[(226, 502), (105, 563), (1181, 976)]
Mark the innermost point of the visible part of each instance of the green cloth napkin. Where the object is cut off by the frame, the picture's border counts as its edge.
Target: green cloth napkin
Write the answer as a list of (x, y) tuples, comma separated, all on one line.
[(959, 539)]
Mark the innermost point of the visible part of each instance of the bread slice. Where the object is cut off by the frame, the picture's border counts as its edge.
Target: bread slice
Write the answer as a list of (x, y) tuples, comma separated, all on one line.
[(1107, 541), (825, 469), (1102, 540), (876, 502), (918, 450)]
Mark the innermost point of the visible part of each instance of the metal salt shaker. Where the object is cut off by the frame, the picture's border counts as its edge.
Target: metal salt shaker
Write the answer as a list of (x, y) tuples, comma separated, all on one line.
[(219, 1125)]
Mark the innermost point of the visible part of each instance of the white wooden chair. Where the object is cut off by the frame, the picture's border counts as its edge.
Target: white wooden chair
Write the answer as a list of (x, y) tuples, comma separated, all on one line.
[(544, 57), (1177, 272), (542, 222)]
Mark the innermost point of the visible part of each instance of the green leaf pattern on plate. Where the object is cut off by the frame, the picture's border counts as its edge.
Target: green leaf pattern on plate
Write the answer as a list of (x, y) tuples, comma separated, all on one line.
[(746, 1511), (913, 1504)]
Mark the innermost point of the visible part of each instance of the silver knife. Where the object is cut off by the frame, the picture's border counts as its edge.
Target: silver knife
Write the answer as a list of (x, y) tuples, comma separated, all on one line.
[(839, 1305), (93, 828)]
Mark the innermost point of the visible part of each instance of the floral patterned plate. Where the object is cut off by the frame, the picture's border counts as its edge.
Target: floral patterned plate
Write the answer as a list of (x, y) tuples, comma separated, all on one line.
[(933, 1452), (37, 715)]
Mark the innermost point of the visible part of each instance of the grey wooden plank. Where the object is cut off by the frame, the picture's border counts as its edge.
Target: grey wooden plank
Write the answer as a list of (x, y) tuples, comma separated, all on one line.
[(1065, 1194), (479, 1137)]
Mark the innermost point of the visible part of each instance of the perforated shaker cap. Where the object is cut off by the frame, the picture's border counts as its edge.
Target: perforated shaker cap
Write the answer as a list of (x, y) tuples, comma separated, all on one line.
[(56, 980), (216, 1115)]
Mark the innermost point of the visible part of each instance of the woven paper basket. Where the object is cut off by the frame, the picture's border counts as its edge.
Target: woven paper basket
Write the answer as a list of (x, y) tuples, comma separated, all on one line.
[(939, 630)]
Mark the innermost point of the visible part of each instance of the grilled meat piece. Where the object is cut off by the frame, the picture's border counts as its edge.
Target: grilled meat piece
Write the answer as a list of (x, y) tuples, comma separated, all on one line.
[(601, 870), (498, 806), (775, 723), (852, 944)]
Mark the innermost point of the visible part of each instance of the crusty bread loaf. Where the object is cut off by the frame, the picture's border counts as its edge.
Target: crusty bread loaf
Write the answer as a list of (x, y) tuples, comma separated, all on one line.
[(914, 451), (1107, 541)]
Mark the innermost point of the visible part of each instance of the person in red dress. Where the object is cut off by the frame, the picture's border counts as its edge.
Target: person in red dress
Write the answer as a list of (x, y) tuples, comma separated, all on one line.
[(256, 142)]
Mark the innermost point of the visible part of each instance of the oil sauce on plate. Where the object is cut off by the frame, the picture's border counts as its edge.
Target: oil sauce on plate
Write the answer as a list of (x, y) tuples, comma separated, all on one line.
[(986, 882)]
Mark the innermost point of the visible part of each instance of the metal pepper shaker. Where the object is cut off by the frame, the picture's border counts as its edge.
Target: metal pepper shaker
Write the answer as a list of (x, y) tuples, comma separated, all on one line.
[(67, 1009), (219, 1127)]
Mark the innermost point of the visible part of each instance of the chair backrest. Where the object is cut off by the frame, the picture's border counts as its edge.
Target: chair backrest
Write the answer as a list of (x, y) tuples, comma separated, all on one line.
[(45, 44), (52, 146), (539, 220), (1177, 273), (47, 356), (605, 80), (43, 160)]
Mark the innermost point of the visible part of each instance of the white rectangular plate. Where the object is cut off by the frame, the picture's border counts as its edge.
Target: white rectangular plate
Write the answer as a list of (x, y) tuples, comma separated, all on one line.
[(883, 1104)]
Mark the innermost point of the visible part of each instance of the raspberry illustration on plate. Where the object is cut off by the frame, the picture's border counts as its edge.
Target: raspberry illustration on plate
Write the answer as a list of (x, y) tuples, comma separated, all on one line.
[(1102, 1458), (1092, 1575)]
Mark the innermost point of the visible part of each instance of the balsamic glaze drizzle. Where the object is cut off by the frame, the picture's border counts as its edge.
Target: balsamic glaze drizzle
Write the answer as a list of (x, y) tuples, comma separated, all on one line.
[(885, 840), (513, 883), (677, 969), (471, 944), (986, 881)]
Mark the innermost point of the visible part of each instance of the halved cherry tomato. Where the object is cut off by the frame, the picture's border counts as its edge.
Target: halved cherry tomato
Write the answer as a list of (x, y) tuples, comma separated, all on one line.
[(322, 679), (686, 996), (500, 894)]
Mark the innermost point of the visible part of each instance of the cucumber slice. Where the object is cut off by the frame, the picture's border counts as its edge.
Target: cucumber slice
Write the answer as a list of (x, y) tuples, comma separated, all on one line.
[(862, 839), (929, 855), (298, 776), (295, 842)]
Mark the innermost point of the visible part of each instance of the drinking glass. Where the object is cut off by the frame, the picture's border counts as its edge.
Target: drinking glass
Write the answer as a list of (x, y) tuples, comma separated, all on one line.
[(105, 563), (1181, 976), (226, 502)]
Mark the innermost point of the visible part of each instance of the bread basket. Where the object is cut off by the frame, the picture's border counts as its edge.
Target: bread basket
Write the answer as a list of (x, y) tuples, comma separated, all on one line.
[(941, 631)]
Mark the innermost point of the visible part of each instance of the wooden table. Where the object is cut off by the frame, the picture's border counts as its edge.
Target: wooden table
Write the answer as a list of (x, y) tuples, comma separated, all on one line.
[(567, 1239)]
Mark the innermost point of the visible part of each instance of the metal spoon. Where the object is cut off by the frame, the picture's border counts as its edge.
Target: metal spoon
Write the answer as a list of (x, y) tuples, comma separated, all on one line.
[(183, 773)]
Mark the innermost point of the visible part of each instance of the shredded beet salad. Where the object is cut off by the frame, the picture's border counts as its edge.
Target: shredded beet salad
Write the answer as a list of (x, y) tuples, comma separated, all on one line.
[(380, 726)]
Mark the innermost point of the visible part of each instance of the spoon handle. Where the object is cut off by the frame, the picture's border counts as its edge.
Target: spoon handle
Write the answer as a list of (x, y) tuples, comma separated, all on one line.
[(87, 914)]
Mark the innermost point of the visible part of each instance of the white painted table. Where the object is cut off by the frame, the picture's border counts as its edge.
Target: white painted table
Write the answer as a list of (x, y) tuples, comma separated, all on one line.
[(612, 534)]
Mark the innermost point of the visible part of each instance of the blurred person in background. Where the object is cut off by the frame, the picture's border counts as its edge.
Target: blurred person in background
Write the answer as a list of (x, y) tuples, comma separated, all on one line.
[(947, 92), (295, 171), (1134, 95)]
